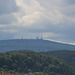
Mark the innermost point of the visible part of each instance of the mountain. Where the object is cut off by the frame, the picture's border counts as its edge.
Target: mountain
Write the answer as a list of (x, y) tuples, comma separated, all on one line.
[(33, 44), (68, 56), (29, 61)]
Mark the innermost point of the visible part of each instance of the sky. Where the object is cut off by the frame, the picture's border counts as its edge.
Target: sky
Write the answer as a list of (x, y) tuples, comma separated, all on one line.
[(54, 19)]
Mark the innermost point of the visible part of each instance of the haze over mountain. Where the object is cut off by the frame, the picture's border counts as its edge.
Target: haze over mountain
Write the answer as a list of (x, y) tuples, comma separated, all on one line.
[(33, 45)]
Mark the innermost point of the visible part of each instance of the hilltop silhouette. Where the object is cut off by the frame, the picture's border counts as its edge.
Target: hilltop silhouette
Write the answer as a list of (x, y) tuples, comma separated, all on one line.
[(33, 45)]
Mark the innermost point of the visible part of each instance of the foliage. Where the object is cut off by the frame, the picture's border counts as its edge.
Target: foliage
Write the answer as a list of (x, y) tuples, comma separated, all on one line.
[(39, 64), (66, 55)]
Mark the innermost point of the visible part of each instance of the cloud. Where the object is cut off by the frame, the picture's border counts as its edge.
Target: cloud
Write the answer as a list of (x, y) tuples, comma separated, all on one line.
[(70, 2), (34, 11), (7, 6), (7, 19), (30, 12), (29, 18), (7, 10)]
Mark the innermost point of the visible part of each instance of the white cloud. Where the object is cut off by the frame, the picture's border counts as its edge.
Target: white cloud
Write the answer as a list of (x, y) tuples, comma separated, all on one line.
[(32, 11), (29, 13)]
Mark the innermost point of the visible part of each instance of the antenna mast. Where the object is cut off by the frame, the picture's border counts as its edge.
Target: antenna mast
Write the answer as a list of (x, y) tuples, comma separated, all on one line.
[(41, 37)]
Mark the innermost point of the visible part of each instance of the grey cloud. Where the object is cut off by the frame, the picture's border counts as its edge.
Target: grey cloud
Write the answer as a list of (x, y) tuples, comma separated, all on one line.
[(70, 1), (7, 19), (65, 32), (7, 6), (4, 35), (68, 10), (66, 7)]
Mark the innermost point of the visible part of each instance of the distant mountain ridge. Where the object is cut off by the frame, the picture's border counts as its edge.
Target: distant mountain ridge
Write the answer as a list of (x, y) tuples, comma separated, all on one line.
[(33, 45)]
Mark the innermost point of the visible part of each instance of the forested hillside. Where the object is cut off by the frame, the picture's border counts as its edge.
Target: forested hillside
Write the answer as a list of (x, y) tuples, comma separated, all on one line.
[(66, 55), (29, 61)]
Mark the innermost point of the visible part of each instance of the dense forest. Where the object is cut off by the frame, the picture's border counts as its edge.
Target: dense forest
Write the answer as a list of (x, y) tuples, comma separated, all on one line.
[(66, 55), (37, 63)]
